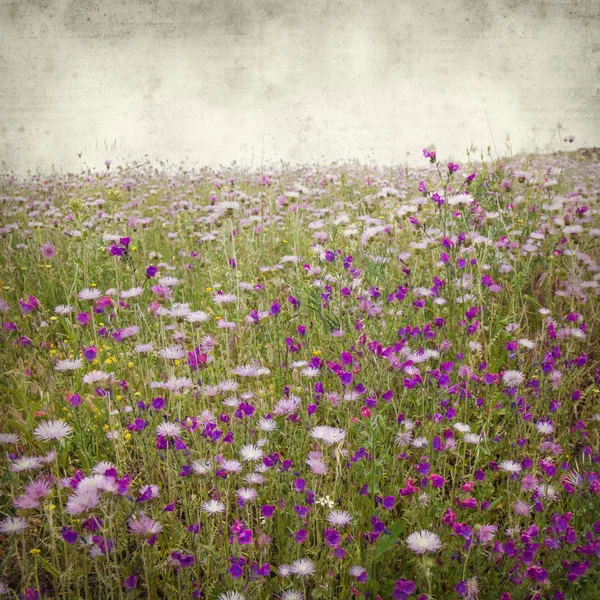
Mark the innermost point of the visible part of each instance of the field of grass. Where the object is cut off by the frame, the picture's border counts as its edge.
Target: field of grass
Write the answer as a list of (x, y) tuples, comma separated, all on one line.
[(318, 383)]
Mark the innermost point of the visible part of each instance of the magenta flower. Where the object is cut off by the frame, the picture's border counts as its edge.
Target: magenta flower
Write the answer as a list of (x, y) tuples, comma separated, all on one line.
[(47, 250)]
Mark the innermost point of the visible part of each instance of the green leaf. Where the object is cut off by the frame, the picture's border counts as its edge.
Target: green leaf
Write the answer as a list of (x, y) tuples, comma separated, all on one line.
[(387, 542)]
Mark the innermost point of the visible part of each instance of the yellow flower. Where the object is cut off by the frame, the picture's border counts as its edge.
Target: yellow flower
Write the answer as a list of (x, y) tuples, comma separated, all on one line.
[(35, 551), (53, 318), (128, 436), (133, 248), (130, 365), (208, 289), (95, 361), (317, 352), (108, 361), (93, 284), (177, 362), (106, 428), (119, 397)]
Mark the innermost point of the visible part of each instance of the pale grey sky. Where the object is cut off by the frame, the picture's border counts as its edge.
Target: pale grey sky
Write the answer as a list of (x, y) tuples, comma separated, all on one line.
[(210, 82)]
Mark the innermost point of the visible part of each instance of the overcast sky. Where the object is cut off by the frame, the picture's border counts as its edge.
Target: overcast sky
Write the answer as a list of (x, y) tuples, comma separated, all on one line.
[(214, 81)]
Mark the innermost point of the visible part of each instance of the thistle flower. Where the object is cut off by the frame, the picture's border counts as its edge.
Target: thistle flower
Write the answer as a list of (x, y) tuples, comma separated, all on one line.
[(329, 435), (251, 453), (339, 518), (52, 430), (68, 365), (89, 294), (13, 525), (212, 507), (144, 525), (232, 595), (9, 438), (513, 378), (303, 567), (47, 250), (424, 541), (510, 466), (168, 430), (172, 353)]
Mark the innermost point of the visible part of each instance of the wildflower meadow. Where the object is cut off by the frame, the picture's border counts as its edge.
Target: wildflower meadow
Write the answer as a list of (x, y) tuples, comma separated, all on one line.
[(321, 382)]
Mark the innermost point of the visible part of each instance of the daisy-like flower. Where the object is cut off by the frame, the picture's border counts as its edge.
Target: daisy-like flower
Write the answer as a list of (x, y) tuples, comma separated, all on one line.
[(231, 466), (513, 378), (522, 508), (132, 293), (9, 438), (210, 391), (68, 365), (310, 372), (329, 435), (83, 501), (229, 385), (267, 425), (63, 309), (89, 294), (95, 377), (143, 348), (144, 525), (250, 371), (172, 353), (544, 427), (287, 406), (316, 464), (292, 595), (179, 310), (510, 466), (251, 453), (421, 442), (403, 438), (555, 379), (168, 430), (339, 518), (47, 250), (545, 490), (224, 298), (303, 567), (176, 384), (39, 488), (357, 571), (462, 427), (486, 533), (198, 316), (459, 199), (247, 494), (254, 479), (52, 430), (424, 541), (202, 467), (168, 281), (102, 467), (284, 570), (13, 525), (472, 438), (472, 589), (212, 507), (232, 595)]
